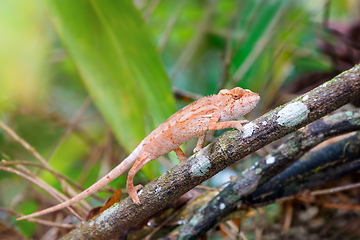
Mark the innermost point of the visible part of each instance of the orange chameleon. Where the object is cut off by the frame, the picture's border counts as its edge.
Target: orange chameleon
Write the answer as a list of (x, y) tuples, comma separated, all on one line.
[(214, 112)]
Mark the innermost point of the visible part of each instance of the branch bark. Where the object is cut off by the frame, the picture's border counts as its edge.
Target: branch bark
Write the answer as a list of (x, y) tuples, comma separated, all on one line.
[(313, 169), (230, 147), (249, 187)]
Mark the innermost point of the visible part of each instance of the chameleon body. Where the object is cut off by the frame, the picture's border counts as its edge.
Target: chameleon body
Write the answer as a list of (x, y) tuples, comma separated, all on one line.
[(214, 112)]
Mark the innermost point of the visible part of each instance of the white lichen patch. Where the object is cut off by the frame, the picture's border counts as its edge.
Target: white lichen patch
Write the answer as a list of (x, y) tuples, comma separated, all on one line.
[(324, 84), (222, 206), (139, 192), (199, 168), (292, 114), (264, 123), (245, 171), (270, 159), (349, 114), (182, 222), (306, 97), (157, 190), (196, 219), (249, 129), (335, 118)]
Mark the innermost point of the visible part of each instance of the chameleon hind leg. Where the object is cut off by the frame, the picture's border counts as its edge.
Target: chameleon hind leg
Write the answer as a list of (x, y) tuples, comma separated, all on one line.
[(139, 163), (180, 154), (200, 143)]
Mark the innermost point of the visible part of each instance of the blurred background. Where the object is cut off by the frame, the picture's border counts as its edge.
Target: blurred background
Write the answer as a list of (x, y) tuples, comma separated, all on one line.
[(83, 82)]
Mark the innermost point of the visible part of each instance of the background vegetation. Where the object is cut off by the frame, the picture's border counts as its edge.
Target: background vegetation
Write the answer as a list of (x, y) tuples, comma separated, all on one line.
[(83, 82)]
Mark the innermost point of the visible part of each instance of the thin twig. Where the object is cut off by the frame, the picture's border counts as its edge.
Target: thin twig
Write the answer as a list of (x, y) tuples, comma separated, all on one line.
[(170, 26), (42, 185), (57, 174), (70, 126), (249, 24), (190, 49), (341, 206), (37, 155), (153, 4), (336, 189), (23, 143), (259, 46), (62, 196), (40, 221), (228, 54)]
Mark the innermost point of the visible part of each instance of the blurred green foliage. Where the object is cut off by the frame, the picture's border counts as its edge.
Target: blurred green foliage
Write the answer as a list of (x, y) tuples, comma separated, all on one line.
[(126, 56)]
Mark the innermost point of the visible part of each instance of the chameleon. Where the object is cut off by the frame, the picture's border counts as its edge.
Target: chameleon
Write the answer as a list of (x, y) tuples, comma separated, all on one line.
[(213, 112)]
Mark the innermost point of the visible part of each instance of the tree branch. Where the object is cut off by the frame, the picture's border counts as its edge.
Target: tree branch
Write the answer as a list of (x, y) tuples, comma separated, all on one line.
[(313, 169), (252, 179), (226, 150)]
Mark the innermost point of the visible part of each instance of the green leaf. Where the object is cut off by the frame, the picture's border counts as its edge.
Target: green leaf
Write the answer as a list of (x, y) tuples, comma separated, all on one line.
[(120, 67)]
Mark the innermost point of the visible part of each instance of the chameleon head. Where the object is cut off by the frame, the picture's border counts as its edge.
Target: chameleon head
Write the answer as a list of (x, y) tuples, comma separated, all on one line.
[(237, 102)]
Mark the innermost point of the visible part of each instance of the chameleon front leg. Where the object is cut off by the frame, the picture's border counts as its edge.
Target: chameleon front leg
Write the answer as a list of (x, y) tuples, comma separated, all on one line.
[(229, 124), (139, 163), (215, 125)]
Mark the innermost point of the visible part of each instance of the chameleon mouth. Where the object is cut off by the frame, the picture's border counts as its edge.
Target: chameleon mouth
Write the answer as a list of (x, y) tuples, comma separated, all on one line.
[(256, 98)]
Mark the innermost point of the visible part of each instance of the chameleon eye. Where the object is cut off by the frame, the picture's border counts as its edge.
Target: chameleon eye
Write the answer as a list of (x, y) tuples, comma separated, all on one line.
[(237, 96)]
